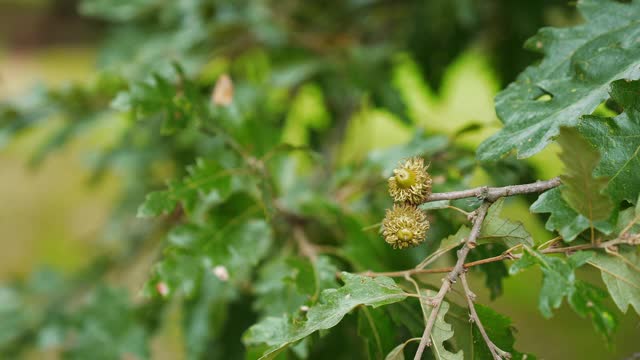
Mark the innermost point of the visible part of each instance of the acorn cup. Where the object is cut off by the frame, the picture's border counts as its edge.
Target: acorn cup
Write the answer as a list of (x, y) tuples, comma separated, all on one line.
[(410, 182), (404, 226)]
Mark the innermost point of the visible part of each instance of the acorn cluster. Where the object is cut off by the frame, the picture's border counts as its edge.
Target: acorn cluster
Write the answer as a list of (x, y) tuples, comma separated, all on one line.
[(405, 225)]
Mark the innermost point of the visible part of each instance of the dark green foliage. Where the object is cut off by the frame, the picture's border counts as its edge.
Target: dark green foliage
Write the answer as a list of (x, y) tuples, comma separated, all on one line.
[(579, 66), (262, 214), (619, 142), (280, 333), (500, 331)]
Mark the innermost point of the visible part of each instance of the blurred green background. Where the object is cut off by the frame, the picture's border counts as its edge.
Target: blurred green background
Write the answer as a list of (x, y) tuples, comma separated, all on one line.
[(51, 216)]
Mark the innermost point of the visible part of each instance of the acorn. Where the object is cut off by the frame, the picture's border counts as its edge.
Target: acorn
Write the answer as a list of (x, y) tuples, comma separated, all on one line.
[(404, 226), (410, 182)]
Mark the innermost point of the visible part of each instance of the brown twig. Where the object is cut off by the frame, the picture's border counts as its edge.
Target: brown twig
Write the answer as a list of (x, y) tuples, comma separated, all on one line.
[(305, 247), (508, 255), (496, 352), (492, 194), (488, 195), (451, 278)]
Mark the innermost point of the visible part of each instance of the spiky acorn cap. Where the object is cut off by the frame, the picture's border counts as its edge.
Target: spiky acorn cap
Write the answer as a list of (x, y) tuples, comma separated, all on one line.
[(410, 182), (404, 226)]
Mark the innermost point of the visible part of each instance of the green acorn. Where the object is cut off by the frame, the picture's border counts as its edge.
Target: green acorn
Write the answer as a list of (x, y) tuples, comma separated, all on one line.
[(404, 226), (410, 182)]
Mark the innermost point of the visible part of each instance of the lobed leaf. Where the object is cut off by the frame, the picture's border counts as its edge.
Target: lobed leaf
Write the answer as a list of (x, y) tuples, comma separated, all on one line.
[(618, 140), (563, 219), (580, 189), (621, 275), (441, 332), (207, 180), (280, 333), (587, 301), (558, 278), (579, 64)]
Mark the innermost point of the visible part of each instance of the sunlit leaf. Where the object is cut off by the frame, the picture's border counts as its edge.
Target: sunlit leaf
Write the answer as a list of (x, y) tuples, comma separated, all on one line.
[(580, 189), (621, 274)]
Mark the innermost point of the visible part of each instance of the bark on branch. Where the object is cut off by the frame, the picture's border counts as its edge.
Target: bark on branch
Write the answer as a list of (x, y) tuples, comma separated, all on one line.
[(488, 195), (492, 194)]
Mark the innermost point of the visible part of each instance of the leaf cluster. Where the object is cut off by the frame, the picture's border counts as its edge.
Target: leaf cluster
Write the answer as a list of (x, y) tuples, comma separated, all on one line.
[(261, 214)]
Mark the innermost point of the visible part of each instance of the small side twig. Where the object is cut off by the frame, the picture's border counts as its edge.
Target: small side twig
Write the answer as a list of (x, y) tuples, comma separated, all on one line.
[(496, 352), (305, 247), (508, 255), (451, 278)]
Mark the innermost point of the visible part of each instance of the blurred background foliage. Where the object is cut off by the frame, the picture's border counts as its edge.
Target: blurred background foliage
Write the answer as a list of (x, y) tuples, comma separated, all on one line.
[(361, 82)]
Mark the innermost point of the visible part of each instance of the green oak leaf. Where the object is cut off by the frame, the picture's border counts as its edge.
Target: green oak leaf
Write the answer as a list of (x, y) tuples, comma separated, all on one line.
[(276, 287), (467, 339), (565, 220), (447, 244), (407, 314), (204, 316), (579, 64), (286, 283), (559, 281), (435, 205), (497, 229), (397, 353), (454, 240), (442, 331), (587, 301), (621, 274), (207, 180), (191, 265), (580, 189), (366, 250), (174, 97), (500, 330), (377, 330), (498, 234), (195, 251), (618, 140), (110, 323), (558, 278), (629, 219), (281, 332)]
